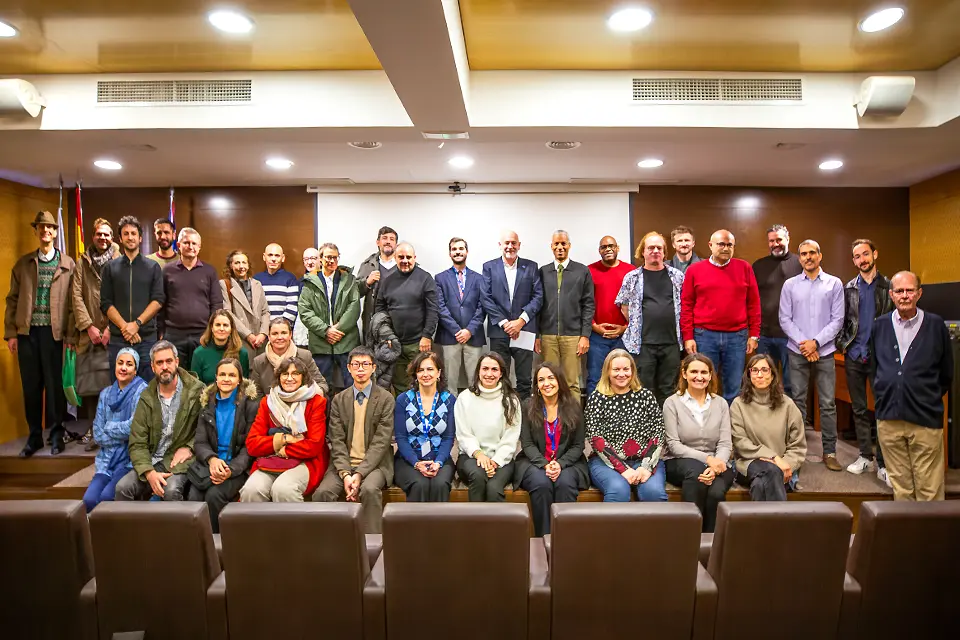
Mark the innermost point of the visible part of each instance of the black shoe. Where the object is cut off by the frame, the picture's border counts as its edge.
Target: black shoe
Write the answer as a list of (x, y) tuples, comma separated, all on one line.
[(28, 451), (57, 446)]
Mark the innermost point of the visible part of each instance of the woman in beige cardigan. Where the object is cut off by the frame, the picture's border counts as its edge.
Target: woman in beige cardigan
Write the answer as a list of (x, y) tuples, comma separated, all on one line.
[(280, 346), (244, 298), (767, 432)]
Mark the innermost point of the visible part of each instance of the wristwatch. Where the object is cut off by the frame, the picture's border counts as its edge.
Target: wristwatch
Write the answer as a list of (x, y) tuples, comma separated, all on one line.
[(756, 338), (139, 323), (344, 474)]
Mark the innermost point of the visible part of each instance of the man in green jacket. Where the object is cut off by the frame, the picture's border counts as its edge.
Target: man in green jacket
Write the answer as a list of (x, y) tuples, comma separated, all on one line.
[(163, 429), (330, 307)]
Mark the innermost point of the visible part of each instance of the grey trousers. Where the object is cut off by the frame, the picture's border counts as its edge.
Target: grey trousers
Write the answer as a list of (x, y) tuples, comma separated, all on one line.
[(371, 496), (825, 371), (459, 358), (131, 487)]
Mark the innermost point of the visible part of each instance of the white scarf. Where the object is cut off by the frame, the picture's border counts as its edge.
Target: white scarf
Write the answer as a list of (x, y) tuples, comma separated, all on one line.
[(287, 408), (275, 359)]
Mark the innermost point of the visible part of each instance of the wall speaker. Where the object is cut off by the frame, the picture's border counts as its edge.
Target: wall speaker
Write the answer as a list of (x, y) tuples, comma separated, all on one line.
[(885, 95)]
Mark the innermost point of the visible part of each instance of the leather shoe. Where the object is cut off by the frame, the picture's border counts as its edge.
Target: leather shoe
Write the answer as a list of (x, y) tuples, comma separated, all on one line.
[(830, 462), (57, 446), (28, 451)]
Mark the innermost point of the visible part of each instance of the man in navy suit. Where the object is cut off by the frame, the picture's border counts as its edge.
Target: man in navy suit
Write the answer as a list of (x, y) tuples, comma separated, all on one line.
[(512, 297), (460, 331)]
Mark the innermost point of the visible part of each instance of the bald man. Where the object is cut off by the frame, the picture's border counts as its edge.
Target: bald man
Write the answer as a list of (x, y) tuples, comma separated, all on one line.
[(912, 363), (720, 311), (281, 286), (608, 322), (409, 297)]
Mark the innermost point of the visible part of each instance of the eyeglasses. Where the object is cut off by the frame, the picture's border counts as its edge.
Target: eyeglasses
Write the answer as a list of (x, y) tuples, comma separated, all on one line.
[(291, 374), (607, 246), (759, 371), (724, 245), (901, 292), (360, 366)]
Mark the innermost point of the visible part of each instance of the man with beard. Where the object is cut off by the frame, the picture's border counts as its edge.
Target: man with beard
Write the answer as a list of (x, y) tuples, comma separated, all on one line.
[(866, 298), (164, 231), (771, 272), (311, 266), (409, 297), (720, 311), (131, 295), (193, 293), (162, 430), (371, 272), (93, 325), (35, 326), (608, 321), (244, 298), (460, 331), (281, 287), (566, 320), (683, 242)]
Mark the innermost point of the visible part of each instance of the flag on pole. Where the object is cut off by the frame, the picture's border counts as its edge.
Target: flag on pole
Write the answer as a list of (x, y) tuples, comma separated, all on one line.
[(61, 232), (78, 230), (173, 217)]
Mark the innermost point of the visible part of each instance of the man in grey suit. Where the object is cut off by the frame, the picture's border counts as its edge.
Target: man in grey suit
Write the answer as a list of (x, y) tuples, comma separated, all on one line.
[(359, 434)]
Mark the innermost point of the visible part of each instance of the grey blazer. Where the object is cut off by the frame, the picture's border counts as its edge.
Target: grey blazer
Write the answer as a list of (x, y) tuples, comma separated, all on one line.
[(687, 439), (377, 431), (249, 318)]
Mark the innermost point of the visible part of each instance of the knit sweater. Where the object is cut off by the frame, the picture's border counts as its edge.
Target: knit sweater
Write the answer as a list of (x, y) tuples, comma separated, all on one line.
[(759, 431), (719, 298), (481, 425), (410, 299), (206, 358), (283, 291), (687, 439), (771, 272), (625, 427), (45, 273)]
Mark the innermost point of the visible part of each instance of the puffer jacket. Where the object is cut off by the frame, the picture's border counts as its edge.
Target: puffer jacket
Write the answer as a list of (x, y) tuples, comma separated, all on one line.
[(851, 303), (386, 348), (85, 298), (205, 444)]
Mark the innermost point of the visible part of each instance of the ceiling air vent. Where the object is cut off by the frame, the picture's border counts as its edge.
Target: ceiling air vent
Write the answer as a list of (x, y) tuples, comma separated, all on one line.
[(717, 90), (366, 145), (562, 145), (173, 91)]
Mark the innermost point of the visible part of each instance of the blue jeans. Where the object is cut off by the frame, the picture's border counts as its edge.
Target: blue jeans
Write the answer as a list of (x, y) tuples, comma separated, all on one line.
[(776, 348), (616, 489), (325, 363), (101, 488), (728, 350), (599, 348)]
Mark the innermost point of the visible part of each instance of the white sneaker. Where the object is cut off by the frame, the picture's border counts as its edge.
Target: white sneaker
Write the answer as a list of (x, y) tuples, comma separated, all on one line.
[(860, 465), (882, 476)]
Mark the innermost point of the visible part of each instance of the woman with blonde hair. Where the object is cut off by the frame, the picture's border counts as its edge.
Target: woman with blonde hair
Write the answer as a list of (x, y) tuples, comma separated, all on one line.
[(625, 430), (219, 341)]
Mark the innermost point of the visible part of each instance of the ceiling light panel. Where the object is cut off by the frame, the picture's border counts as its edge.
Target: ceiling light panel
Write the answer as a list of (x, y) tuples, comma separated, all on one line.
[(629, 19), (883, 19), (230, 21)]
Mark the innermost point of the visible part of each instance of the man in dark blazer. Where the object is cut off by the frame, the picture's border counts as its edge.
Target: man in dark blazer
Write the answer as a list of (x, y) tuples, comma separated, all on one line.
[(359, 436), (512, 297), (566, 320), (460, 331)]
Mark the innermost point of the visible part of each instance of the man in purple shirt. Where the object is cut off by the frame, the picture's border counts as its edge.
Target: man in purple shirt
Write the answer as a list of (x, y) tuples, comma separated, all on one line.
[(811, 314)]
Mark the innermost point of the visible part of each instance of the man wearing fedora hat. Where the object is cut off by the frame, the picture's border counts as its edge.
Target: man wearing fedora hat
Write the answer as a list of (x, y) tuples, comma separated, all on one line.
[(35, 327)]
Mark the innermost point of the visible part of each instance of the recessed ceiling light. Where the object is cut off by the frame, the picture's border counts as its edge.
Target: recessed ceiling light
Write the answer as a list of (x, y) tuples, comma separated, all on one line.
[(109, 165), (279, 163), (831, 165), (460, 162), (370, 144), (230, 21), (562, 145), (883, 19), (650, 163), (631, 19), (7, 31)]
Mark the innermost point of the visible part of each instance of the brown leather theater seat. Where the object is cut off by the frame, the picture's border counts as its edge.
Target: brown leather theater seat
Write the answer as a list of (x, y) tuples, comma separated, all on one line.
[(46, 562), (463, 569), (155, 562), (610, 563), (374, 542), (906, 557), (780, 570), (294, 570)]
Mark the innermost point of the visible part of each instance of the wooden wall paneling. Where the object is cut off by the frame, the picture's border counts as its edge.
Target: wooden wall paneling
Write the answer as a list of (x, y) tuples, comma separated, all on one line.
[(935, 228)]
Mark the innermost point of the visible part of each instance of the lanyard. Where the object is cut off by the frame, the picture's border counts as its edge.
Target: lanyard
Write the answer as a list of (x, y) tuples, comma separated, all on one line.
[(553, 430), (433, 411)]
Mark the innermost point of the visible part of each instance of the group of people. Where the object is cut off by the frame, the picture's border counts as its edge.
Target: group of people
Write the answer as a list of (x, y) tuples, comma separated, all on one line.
[(221, 383)]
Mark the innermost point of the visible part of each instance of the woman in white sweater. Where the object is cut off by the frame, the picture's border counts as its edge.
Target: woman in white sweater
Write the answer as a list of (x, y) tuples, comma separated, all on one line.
[(487, 417)]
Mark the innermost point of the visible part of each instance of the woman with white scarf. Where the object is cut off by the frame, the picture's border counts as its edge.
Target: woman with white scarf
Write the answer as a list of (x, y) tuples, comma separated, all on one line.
[(288, 438), (279, 347)]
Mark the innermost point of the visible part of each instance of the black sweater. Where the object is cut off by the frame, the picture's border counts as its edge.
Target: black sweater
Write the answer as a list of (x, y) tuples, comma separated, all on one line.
[(410, 299), (911, 390), (130, 286), (771, 272)]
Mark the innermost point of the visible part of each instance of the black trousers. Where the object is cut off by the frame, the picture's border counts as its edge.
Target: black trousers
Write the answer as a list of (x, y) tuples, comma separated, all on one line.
[(659, 365), (420, 488), (765, 480), (858, 376), (186, 343), (217, 497), (480, 488), (522, 364), (41, 375), (683, 472), (544, 492)]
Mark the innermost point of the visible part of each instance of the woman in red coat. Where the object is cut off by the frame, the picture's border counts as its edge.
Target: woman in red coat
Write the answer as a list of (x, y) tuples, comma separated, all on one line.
[(288, 438)]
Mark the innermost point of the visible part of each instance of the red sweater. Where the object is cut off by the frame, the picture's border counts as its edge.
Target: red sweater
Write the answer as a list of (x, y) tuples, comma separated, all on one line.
[(719, 298), (312, 449), (606, 286)]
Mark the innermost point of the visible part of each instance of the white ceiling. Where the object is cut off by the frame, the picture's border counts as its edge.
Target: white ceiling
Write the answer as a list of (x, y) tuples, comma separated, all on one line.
[(692, 156)]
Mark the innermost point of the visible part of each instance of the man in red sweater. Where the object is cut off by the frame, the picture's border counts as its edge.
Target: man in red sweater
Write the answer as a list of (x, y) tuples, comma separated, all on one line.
[(608, 322), (720, 311)]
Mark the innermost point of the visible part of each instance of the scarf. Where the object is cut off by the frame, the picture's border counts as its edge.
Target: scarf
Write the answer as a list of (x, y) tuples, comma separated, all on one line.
[(287, 408), (275, 359), (122, 401), (100, 259)]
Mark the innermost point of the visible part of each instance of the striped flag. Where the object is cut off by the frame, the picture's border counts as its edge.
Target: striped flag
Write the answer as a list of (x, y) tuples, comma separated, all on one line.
[(78, 229), (173, 217), (61, 232)]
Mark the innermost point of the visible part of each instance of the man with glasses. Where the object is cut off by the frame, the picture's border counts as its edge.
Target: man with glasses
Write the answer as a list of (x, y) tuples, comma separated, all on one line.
[(330, 307), (720, 311), (912, 364), (359, 435), (811, 314), (608, 322), (311, 265)]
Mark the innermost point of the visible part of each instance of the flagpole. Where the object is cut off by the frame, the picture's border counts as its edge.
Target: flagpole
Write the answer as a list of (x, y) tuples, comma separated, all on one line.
[(61, 232)]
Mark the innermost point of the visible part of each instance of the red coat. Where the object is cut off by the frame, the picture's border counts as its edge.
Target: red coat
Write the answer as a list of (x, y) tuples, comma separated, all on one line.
[(312, 449)]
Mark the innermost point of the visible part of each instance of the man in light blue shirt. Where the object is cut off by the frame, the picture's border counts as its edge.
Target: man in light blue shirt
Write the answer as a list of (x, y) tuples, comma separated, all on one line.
[(811, 314)]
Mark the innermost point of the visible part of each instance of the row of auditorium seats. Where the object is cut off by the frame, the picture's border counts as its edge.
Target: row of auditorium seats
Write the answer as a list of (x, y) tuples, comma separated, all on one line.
[(784, 570)]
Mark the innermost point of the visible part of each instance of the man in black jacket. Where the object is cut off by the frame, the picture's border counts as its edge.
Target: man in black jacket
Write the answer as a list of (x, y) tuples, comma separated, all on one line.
[(912, 363), (409, 297), (131, 294), (866, 298)]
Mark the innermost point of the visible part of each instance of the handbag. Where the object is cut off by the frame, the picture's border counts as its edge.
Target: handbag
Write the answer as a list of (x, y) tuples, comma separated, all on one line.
[(199, 475), (70, 376), (93, 371)]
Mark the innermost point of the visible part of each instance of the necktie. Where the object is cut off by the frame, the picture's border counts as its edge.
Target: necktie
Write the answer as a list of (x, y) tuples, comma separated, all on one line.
[(461, 283), (559, 276), (360, 398)]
